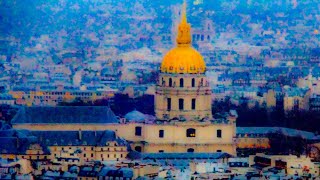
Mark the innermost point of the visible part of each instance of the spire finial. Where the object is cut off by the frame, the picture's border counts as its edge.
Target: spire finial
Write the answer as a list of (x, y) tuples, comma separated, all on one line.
[(184, 12), (184, 34)]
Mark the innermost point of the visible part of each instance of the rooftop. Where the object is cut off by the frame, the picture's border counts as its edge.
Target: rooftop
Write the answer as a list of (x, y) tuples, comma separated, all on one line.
[(90, 138), (266, 130), (65, 115)]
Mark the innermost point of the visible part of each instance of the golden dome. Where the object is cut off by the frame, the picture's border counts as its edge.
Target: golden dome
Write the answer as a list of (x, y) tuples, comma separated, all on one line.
[(183, 59)]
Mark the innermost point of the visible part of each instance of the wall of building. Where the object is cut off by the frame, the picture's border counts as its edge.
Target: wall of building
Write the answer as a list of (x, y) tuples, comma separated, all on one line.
[(250, 142), (110, 151), (200, 91), (206, 133)]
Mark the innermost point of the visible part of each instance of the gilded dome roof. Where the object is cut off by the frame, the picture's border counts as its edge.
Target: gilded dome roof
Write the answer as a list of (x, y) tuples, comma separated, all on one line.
[(183, 59)]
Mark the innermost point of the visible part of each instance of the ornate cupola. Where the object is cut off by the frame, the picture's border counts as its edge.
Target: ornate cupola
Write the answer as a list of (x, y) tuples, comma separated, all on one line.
[(182, 92)]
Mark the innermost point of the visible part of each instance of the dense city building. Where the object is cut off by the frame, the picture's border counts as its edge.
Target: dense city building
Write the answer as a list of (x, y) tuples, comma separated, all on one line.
[(106, 97)]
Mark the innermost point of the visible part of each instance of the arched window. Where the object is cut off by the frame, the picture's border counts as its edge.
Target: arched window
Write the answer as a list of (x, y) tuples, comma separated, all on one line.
[(191, 132), (181, 82), (181, 104), (193, 104), (138, 148), (168, 104), (170, 82), (190, 150), (193, 82)]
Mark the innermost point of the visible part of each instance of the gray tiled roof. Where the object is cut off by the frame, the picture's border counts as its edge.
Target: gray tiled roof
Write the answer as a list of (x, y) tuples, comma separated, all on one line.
[(67, 138), (266, 130), (65, 115)]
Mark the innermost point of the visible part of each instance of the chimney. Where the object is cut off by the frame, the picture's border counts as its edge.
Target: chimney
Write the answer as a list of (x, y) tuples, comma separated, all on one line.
[(80, 135), (122, 120)]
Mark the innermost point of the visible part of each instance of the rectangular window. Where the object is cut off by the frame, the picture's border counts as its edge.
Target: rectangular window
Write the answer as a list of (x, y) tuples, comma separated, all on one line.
[(161, 133), (168, 104), (193, 104), (138, 131), (191, 132), (91, 155), (219, 133), (181, 104)]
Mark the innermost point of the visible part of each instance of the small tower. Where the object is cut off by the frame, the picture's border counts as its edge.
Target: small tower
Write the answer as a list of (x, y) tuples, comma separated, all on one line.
[(183, 92)]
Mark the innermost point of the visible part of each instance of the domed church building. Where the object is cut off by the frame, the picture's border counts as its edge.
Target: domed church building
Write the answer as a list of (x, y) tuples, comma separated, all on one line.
[(183, 104), (183, 119)]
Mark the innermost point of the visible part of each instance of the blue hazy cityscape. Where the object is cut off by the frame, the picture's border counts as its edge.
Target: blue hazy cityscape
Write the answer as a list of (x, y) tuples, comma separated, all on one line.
[(194, 89)]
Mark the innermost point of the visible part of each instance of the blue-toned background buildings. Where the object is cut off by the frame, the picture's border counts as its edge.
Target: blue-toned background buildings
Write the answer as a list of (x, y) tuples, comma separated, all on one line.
[(262, 60)]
